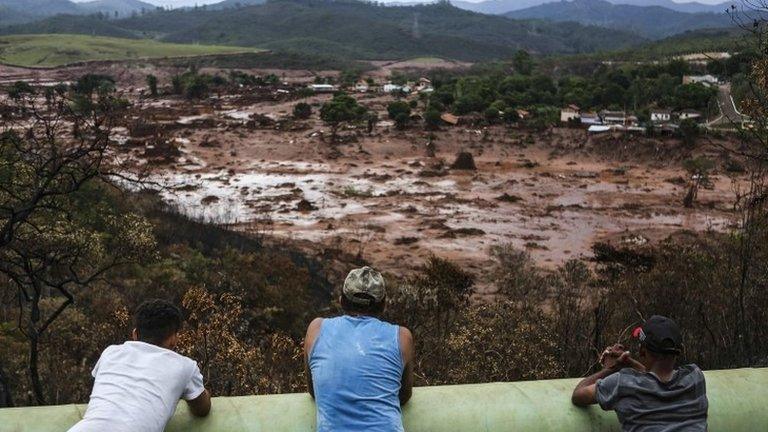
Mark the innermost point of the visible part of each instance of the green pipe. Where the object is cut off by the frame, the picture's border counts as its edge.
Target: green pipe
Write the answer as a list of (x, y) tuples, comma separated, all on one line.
[(738, 402)]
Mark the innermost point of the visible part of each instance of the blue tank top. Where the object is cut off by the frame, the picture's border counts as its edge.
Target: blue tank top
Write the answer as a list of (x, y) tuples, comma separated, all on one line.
[(356, 369)]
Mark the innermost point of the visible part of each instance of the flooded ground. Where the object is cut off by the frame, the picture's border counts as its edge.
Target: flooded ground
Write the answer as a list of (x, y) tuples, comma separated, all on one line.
[(241, 160), (384, 198)]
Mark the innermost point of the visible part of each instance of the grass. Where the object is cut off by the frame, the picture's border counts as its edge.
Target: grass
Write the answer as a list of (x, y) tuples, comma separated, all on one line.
[(427, 60), (47, 50)]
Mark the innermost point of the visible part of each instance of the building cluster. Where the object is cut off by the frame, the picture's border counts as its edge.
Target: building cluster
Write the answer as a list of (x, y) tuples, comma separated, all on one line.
[(607, 121), (423, 85)]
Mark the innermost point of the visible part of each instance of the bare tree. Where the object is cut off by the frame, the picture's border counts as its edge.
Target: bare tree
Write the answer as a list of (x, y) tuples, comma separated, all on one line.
[(751, 15), (55, 145)]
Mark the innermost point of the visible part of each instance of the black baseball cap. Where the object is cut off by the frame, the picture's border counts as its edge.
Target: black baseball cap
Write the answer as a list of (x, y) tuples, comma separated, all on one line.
[(660, 335)]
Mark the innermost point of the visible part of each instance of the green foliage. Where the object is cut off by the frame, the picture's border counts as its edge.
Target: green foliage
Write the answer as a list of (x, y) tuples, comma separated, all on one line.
[(94, 83), (20, 89), (432, 119), (400, 112), (523, 63), (601, 87), (689, 131), (194, 85), (492, 115), (177, 84), (349, 76), (302, 110), (693, 96), (341, 109), (152, 84)]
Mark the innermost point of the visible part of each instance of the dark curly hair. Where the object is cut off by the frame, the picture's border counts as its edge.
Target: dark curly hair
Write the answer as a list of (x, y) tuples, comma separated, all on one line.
[(156, 320)]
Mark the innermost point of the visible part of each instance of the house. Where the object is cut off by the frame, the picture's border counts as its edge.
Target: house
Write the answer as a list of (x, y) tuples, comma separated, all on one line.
[(661, 115), (707, 80), (323, 88), (569, 113), (614, 117), (362, 87), (690, 114), (424, 86), (394, 88), (590, 118)]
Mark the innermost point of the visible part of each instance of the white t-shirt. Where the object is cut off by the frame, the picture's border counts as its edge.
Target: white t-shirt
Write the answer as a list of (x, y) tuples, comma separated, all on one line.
[(137, 388)]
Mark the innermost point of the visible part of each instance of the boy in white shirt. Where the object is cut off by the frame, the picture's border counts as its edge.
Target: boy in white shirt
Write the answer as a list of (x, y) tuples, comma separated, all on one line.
[(138, 384)]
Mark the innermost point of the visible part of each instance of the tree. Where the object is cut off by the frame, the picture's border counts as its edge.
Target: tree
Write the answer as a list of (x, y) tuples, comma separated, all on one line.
[(491, 115), (177, 84), (196, 86), (522, 62), (341, 109), (53, 236), (371, 119), (689, 131), (693, 96), (302, 110), (152, 84), (432, 119), (698, 170)]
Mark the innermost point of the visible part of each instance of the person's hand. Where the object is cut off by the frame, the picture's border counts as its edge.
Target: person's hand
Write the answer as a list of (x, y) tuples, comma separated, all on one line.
[(614, 357)]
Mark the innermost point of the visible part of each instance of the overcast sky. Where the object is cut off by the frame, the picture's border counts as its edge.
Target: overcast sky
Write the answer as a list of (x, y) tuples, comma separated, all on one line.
[(175, 3)]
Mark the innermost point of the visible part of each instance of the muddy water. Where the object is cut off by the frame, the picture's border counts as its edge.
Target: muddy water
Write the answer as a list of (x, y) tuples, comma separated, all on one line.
[(559, 216)]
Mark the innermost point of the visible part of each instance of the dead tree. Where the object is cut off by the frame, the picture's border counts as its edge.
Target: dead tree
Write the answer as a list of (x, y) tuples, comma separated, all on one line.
[(47, 245)]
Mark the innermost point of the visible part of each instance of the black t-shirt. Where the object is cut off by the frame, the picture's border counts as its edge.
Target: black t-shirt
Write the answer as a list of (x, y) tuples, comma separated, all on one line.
[(645, 404)]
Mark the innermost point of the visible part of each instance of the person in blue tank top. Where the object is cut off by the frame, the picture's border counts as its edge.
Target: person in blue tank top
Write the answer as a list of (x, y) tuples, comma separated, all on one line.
[(359, 368)]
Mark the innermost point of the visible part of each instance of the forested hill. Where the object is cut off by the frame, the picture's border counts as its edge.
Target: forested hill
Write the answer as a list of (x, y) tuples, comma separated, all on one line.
[(358, 30), (23, 11), (653, 22)]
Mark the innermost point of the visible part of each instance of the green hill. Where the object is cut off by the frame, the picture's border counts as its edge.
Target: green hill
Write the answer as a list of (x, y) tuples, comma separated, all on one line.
[(653, 22), (61, 49), (359, 30)]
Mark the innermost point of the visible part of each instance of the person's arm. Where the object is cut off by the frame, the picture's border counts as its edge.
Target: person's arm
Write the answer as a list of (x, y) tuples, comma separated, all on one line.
[(613, 359), (201, 405), (408, 351), (309, 341), (585, 393), (195, 394)]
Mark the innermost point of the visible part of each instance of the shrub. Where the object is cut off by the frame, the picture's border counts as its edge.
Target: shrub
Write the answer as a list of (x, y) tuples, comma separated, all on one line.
[(302, 110)]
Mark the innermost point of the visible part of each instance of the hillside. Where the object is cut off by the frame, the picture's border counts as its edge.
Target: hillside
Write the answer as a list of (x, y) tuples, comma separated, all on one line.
[(227, 4), (23, 11), (499, 7), (57, 50), (358, 30), (123, 8), (696, 41), (653, 22)]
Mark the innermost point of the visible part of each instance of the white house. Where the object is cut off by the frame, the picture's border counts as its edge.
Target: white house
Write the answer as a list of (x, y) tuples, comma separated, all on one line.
[(660, 115), (394, 88), (362, 87), (614, 117), (323, 88), (571, 112), (701, 79)]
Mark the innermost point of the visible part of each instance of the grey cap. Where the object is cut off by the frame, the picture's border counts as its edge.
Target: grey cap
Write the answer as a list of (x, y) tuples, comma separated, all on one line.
[(364, 286)]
